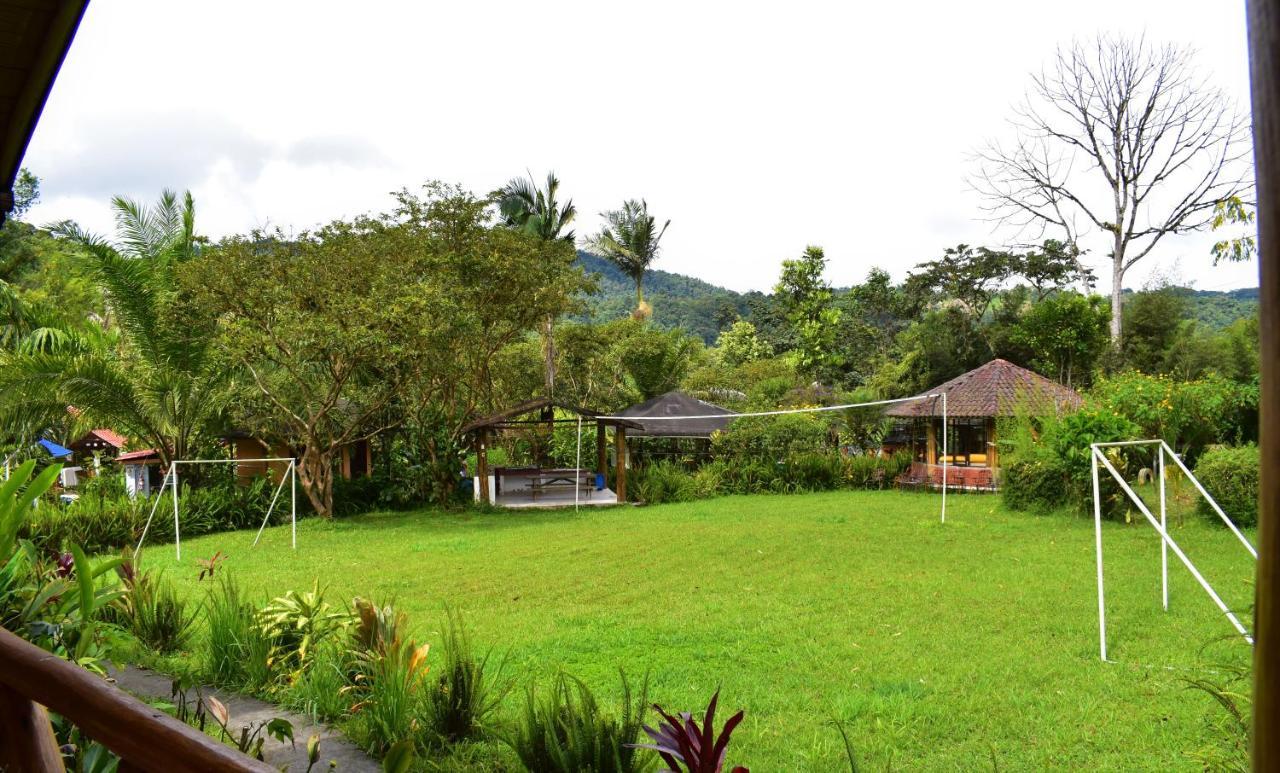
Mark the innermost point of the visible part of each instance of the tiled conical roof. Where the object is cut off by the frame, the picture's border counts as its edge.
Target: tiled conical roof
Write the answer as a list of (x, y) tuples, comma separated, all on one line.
[(998, 388)]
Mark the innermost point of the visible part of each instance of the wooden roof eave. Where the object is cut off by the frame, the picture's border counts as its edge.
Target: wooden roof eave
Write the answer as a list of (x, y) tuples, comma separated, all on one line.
[(537, 404)]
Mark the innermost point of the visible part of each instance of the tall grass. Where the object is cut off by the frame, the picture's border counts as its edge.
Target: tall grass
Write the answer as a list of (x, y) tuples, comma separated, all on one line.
[(237, 653), (566, 730), (157, 615), (321, 692), (463, 694)]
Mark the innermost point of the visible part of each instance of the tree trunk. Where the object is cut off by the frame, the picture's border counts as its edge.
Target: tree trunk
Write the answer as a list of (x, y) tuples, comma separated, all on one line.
[(1117, 287), (315, 473), (549, 354)]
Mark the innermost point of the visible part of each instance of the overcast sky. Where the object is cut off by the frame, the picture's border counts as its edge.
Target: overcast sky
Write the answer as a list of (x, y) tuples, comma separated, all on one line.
[(756, 128)]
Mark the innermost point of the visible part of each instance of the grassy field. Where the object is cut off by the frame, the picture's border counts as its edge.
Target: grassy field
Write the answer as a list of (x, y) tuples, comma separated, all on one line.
[(944, 647)]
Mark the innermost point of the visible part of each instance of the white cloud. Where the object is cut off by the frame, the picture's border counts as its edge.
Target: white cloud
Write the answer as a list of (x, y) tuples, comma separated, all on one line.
[(757, 129)]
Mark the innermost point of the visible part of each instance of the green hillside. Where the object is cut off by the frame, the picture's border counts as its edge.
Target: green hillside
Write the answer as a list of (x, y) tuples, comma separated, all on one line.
[(677, 300), (699, 307)]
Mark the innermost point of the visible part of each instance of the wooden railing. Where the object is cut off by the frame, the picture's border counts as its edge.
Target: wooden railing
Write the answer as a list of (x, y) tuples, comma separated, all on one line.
[(145, 738)]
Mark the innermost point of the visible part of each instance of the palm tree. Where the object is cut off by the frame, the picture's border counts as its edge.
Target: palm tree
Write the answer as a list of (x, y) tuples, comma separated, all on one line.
[(630, 240), (156, 380), (536, 211), (526, 207)]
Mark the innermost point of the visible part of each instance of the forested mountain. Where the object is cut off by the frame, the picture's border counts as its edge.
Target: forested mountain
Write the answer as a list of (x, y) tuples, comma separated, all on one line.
[(703, 308), (1217, 309), (678, 301)]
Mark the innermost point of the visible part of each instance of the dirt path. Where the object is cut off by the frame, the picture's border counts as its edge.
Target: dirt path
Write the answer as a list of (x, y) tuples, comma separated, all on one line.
[(245, 710)]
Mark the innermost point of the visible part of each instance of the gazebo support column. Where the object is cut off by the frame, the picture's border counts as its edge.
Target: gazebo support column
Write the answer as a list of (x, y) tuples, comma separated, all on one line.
[(620, 462), (482, 464), (602, 450)]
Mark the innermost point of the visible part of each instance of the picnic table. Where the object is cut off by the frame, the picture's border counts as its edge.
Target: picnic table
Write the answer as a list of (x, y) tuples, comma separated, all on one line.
[(583, 480)]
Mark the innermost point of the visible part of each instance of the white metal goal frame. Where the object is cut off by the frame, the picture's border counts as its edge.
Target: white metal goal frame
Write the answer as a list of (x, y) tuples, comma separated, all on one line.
[(1167, 543), (171, 480), (786, 411)]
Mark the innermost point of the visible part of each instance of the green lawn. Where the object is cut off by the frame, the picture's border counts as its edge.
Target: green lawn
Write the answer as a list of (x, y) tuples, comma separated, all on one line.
[(944, 647)]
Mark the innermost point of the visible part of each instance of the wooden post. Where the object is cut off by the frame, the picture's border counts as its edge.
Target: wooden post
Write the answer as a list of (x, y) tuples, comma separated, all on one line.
[(993, 453), (482, 462), (931, 443), (602, 450), (28, 737), (1264, 64), (620, 462)]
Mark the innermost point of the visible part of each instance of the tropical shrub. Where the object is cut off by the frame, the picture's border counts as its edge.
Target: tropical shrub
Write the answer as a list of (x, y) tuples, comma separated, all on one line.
[(814, 471), (1044, 453), (295, 624), (105, 523), (863, 471), (463, 694), (386, 675), (1034, 484), (1230, 475), (709, 479), (663, 481), (389, 684), (685, 746), (97, 523), (565, 730), (774, 438), (320, 692), (156, 614), (55, 606), (1188, 415)]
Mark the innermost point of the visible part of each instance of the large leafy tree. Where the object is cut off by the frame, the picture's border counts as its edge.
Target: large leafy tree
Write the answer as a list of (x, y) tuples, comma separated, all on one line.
[(149, 371), (814, 320), (537, 211), (1066, 334), (630, 239), (365, 325)]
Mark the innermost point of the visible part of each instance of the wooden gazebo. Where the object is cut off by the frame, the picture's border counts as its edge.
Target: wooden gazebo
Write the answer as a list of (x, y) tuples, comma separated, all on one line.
[(482, 431), (975, 401)]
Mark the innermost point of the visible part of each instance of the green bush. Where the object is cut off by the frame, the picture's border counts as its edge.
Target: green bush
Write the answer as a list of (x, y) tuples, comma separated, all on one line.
[(814, 471), (1188, 415), (103, 522), (775, 438), (1037, 485), (865, 471), (157, 616), (566, 731), (660, 482), (709, 479), (1230, 475)]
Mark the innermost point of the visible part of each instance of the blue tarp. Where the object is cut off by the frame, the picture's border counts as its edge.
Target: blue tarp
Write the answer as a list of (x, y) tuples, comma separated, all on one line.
[(54, 449)]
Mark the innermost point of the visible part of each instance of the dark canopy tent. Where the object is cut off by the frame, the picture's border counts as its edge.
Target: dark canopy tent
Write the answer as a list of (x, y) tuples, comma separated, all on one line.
[(675, 427), (680, 405)]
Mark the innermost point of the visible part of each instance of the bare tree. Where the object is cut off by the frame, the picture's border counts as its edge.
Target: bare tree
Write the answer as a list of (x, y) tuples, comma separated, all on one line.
[(1123, 137)]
